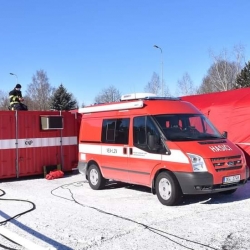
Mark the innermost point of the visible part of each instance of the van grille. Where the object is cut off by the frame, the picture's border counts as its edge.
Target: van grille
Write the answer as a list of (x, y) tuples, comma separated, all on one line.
[(227, 163)]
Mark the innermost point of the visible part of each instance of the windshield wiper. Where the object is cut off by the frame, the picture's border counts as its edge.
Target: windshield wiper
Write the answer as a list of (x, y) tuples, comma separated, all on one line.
[(209, 137)]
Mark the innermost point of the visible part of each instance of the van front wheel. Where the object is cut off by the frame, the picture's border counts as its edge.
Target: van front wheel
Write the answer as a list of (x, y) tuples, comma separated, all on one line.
[(167, 189), (95, 178)]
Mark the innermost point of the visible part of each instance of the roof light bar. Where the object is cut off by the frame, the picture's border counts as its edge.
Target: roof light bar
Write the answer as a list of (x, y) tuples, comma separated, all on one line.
[(111, 107), (137, 96)]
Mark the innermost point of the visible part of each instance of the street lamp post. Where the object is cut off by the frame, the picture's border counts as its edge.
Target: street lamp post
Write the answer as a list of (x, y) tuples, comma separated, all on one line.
[(15, 76), (17, 153), (162, 85)]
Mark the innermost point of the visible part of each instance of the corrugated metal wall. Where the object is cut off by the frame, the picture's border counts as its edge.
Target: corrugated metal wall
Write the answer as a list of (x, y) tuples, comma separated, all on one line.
[(7, 144), (25, 148)]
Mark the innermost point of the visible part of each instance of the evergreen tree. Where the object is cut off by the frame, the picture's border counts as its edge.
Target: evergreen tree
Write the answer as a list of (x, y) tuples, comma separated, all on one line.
[(243, 78), (63, 100)]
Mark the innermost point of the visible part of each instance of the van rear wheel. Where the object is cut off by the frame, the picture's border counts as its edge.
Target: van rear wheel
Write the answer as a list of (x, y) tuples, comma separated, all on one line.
[(95, 178), (167, 189)]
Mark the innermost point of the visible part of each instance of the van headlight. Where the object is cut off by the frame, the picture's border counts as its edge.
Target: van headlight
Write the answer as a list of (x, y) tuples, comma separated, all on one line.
[(198, 163)]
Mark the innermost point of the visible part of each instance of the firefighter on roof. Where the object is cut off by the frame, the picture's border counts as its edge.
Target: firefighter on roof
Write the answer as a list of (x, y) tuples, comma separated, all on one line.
[(15, 97)]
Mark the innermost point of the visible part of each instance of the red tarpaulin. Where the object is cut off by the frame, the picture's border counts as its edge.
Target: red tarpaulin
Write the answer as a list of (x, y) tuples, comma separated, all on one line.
[(229, 111)]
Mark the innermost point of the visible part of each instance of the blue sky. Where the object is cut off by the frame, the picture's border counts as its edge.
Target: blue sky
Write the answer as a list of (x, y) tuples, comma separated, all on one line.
[(89, 45)]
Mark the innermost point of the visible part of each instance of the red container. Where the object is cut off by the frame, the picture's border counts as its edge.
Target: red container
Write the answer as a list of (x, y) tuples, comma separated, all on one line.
[(27, 145)]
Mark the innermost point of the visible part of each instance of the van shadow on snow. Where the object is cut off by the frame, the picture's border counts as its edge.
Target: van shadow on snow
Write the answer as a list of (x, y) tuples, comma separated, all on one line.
[(242, 193), (117, 184)]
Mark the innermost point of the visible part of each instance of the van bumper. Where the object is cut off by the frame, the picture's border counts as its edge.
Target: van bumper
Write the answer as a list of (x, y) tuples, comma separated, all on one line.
[(201, 183)]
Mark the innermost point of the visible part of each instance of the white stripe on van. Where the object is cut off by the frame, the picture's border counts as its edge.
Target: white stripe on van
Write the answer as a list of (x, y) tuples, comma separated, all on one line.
[(38, 142), (176, 156), (243, 143), (117, 151), (90, 149)]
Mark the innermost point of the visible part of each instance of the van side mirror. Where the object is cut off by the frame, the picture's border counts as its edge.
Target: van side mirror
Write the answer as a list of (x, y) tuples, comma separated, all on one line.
[(224, 134)]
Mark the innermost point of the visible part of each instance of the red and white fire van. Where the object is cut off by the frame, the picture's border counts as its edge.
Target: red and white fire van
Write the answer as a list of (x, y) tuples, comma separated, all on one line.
[(164, 143)]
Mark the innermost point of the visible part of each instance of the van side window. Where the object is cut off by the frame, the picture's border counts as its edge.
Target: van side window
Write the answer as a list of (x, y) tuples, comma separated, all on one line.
[(146, 136), (115, 131)]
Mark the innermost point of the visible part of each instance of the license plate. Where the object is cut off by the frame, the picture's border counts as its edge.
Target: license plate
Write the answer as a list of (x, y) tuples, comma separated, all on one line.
[(231, 179)]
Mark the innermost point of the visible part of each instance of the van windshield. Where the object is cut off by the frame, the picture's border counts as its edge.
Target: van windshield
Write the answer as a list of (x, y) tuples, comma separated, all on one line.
[(180, 127)]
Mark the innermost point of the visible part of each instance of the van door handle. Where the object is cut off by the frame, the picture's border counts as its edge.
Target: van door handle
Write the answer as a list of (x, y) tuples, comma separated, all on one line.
[(124, 151)]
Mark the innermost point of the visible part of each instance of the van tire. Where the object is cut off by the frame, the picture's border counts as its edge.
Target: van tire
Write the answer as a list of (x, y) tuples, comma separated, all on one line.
[(95, 178), (167, 189)]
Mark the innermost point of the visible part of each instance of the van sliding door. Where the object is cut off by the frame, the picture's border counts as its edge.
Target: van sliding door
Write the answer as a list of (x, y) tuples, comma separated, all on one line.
[(115, 134)]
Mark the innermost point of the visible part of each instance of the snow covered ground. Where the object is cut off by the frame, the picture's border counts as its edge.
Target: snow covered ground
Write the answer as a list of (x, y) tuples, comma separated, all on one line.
[(68, 215)]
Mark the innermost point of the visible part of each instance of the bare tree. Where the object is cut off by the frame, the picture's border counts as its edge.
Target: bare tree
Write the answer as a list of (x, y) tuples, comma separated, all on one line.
[(154, 85), (223, 72), (206, 86), (40, 91), (185, 86), (239, 54), (110, 94), (29, 103), (221, 76), (4, 101), (167, 91)]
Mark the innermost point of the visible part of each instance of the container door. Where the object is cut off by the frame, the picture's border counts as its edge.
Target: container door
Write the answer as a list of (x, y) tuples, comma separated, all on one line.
[(36, 148), (7, 144)]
